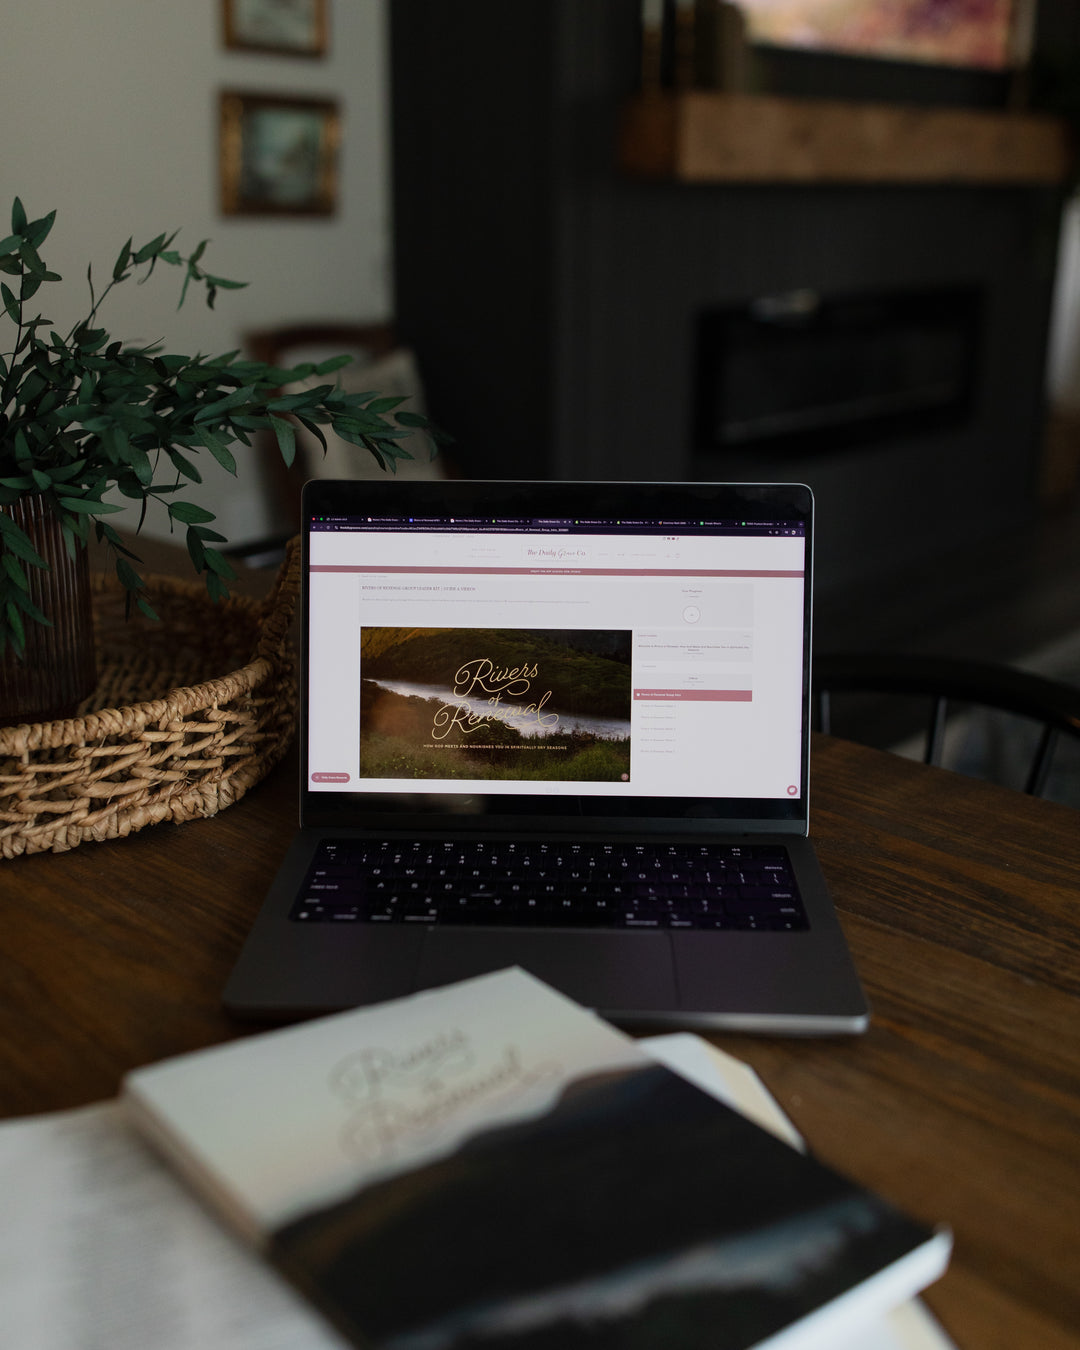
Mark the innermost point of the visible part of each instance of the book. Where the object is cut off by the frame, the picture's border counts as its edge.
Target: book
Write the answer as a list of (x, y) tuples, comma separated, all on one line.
[(490, 1165), (102, 1244)]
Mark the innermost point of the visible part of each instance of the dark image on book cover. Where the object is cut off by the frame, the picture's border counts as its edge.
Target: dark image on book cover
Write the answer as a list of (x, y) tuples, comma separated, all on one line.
[(638, 1213), (495, 703)]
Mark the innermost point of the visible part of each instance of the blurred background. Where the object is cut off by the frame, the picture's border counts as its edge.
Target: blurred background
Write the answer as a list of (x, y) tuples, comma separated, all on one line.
[(113, 120), (875, 308)]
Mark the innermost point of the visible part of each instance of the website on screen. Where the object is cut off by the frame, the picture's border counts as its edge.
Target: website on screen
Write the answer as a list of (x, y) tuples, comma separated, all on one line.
[(657, 659)]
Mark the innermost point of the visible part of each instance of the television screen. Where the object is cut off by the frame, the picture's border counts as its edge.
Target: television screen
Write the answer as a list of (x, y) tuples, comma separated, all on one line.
[(974, 33)]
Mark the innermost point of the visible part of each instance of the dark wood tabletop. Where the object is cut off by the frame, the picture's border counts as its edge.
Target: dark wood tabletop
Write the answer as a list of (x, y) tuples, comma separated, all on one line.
[(961, 902)]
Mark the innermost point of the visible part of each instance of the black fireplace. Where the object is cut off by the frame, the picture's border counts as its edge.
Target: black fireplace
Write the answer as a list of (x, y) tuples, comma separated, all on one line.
[(801, 373), (575, 321)]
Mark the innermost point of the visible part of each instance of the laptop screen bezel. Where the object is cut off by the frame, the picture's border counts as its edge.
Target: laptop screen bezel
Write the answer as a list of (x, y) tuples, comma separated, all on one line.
[(373, 809)]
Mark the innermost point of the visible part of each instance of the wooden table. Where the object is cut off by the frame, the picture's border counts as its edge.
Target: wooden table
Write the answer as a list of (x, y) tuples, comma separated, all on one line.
[(962, 1103)]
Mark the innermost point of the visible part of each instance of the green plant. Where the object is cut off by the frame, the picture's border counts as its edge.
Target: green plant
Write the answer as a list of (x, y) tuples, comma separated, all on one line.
[(83, 416)]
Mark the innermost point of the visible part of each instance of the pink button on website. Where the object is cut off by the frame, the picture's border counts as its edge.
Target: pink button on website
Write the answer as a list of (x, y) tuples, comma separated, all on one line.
[(329, 777)]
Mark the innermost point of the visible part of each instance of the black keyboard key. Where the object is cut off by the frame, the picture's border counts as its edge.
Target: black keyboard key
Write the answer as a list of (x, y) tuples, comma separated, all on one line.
[(557, 884)]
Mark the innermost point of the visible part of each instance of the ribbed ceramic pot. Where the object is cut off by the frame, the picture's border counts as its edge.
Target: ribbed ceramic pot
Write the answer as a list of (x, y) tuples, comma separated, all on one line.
[(59, 669)]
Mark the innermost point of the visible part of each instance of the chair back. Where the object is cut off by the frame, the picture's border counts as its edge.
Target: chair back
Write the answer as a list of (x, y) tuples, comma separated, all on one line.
[(1053, 704)]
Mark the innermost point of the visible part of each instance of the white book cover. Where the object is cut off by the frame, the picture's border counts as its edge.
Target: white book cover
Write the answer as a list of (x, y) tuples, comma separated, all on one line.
[(489, 1165)]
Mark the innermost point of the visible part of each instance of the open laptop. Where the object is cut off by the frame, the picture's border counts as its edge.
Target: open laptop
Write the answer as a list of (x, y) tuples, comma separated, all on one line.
[(562, 726)]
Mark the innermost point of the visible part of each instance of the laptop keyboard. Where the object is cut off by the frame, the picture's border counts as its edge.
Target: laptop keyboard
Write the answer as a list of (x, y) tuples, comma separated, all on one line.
[(553, 884)]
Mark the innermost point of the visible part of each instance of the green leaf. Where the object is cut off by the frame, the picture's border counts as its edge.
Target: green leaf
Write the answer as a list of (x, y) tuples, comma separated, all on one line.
[(121, 262), (190, 514), (315, 430), (183, 464), (236, 399), (90, 339), (14, 569), (18, 217), (29, 254), (218, 564), (10, 303), (379, 460), (16, 541), (140, 462), (87, 506), (38, 231), (219, 450), (215, 587), (75, 531), (393, 451), (148, 250), (106, 532), (196, 549), (333, 363), (129, 578), (287, 402), (15, 626), (22, 601), (225, 284), (357, 420), (184, 288), (286, 438), (66, 472)]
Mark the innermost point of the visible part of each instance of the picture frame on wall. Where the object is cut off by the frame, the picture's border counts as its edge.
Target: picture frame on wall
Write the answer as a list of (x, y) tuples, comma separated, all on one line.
[(279, 155), (284, 27)]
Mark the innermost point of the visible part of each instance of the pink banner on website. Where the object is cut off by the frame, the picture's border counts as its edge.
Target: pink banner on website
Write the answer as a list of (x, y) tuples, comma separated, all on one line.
[(698, 695)]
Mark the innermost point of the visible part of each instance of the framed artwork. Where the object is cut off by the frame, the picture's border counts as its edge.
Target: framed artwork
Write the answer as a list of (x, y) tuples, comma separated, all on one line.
[(974, 33), (286, 27), (278, 155)]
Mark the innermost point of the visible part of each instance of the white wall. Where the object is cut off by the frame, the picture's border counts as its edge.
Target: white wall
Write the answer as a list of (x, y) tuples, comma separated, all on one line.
[(109, 110)]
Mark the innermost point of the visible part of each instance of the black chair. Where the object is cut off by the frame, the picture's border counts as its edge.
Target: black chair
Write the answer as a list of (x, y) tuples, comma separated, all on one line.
[(1054, 705)]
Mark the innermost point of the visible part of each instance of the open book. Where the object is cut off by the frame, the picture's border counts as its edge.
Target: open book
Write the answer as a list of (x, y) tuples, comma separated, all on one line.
[(489, 1165)]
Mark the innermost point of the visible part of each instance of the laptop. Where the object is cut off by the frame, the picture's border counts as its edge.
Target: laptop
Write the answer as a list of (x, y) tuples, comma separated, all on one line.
[(562, 726)]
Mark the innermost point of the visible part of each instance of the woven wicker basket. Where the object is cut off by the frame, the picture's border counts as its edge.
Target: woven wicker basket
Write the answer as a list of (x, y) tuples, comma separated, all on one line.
[(167, 734)]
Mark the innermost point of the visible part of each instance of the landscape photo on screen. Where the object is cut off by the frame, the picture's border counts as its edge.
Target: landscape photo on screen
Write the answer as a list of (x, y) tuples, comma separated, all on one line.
[(534, 704)]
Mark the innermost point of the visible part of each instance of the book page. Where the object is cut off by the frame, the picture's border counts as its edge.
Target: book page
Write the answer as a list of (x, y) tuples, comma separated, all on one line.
[(101, 1246)]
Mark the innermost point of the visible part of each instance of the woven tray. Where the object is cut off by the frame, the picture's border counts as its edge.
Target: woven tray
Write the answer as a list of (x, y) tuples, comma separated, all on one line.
[(188, 714)]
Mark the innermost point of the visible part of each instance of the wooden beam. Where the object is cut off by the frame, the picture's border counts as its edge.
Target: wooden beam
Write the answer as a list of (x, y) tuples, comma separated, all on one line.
[(699, 137)]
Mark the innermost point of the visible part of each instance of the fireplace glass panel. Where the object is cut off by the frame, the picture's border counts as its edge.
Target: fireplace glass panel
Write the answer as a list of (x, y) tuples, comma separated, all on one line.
[(800, 373)]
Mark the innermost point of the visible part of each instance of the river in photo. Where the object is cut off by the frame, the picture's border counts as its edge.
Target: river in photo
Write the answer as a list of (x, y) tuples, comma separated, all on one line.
[(608, 728)]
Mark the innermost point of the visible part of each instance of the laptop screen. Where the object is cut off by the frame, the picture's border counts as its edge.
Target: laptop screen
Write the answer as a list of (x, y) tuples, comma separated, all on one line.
[(567, 649)]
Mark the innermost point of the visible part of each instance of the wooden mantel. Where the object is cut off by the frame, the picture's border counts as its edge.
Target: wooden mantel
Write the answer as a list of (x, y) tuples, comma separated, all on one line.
[(700, 137)]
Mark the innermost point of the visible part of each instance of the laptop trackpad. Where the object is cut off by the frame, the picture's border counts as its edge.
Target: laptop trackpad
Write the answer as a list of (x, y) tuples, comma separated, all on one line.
[(609, 972)]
